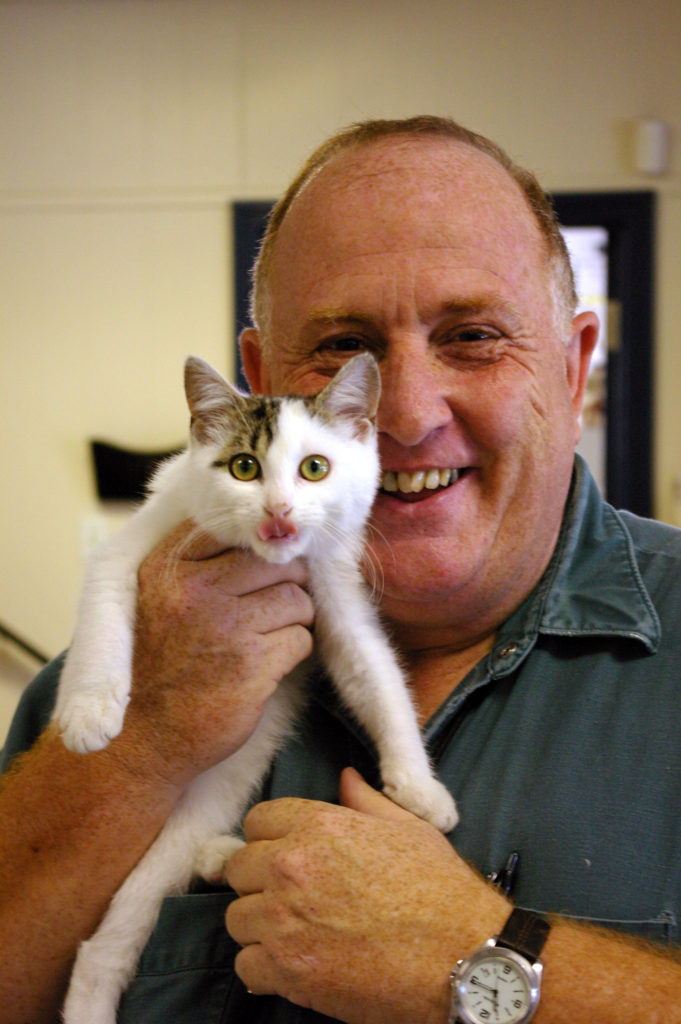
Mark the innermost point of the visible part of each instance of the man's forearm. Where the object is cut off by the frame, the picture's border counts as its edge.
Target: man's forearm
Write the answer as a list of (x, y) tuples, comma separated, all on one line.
[(71, 829), (598, 976), (362, 944)]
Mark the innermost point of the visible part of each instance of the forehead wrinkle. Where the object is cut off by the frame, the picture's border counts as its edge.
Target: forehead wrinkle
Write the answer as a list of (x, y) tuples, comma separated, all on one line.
[(453, 259)]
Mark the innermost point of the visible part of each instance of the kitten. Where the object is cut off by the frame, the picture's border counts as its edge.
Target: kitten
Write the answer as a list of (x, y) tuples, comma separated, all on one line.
[(286, 477)]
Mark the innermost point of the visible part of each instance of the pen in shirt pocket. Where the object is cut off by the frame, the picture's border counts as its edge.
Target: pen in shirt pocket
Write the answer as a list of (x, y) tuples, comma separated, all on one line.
[(504, 879)]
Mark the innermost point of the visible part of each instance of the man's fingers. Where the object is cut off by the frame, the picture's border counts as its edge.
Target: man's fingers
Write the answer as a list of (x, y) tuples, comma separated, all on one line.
[(243, 917), (246, 572), (253, 964), (284, 604), (246, 871), (188, 543), (274, 819), (238, 571), (358, 795), (256, 969)]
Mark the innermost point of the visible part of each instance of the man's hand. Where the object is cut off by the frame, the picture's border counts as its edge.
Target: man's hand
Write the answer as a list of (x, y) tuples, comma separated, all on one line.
[(359, 911), (216, 632)]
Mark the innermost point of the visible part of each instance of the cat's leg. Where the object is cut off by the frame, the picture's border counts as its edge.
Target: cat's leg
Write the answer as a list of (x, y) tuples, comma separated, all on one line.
[(106, 962), (194, 835), (247, 767), (406, 772), (372, 684), (211, 858), (94, 687)]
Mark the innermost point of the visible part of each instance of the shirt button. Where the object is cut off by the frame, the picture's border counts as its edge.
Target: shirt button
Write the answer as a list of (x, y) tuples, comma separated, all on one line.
[(507, 650)]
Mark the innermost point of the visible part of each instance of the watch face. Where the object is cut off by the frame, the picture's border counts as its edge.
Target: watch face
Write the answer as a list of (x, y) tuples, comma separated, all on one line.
[(493, 987)]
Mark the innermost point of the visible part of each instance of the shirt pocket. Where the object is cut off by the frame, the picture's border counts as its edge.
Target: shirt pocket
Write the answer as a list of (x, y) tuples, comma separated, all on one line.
[(662, 930), (186, 971)]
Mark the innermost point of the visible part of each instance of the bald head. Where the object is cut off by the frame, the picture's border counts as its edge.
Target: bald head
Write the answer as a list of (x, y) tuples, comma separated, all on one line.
[(418, 131)]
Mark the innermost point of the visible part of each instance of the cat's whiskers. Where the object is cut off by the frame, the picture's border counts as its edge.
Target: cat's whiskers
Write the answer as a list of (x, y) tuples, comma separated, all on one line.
[(210, 525), (216, 524), (332, 530), (372, 564), (174, 555)]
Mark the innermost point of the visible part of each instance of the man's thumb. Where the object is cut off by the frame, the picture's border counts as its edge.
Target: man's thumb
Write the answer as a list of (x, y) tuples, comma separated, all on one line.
[(358, 795)]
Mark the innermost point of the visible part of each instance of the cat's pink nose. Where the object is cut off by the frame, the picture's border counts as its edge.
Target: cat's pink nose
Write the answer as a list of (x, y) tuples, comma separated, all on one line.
[(278, 509)]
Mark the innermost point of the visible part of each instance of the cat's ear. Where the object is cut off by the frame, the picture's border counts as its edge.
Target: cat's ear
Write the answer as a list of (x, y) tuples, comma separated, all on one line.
[(209, 397), (353, 393)]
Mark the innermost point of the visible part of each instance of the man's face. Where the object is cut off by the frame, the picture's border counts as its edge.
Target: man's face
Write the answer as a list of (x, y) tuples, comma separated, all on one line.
[(425, 254)]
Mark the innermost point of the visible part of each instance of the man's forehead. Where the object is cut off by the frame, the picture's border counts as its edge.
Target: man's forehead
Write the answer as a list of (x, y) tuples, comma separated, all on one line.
[(429, 177)]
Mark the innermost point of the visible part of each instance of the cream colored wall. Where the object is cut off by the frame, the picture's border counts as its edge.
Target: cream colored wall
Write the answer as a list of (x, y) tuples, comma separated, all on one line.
[(127, 127)]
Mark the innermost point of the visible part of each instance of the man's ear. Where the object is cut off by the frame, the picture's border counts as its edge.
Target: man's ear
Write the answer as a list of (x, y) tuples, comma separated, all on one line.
[(253, 361), (583, 338)]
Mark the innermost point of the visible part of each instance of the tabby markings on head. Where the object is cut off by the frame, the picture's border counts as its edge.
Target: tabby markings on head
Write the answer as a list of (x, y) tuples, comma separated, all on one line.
[(252, 429)]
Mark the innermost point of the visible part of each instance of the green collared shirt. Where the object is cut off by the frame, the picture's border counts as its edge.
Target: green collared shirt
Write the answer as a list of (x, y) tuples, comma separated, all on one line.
[(563, 744)]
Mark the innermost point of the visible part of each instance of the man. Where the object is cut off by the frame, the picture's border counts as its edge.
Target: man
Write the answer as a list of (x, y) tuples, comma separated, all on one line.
[(538, 626)]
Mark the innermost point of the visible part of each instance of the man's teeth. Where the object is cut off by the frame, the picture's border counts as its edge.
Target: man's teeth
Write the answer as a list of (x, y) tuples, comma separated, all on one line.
[(412, 483)]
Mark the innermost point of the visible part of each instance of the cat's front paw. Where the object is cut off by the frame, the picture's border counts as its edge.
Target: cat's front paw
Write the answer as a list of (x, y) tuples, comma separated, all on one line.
[(427, 798), (90, 722), (212, 856)]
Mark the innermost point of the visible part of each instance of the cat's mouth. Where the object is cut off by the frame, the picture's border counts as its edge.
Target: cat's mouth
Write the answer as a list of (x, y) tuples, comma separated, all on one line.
[(421, 484), (277, 529)]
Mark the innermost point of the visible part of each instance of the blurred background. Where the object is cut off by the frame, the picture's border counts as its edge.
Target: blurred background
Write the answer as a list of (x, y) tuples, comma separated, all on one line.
[(128, 128)]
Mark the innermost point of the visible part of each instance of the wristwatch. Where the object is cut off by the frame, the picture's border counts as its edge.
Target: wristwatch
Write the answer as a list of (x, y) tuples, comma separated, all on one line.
[(501, 981)]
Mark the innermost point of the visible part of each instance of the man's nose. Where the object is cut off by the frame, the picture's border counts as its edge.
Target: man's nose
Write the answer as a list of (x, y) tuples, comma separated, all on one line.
[(413, 402)]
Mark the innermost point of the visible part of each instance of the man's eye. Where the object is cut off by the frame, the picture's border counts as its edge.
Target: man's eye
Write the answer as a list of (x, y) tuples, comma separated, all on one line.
[(475, 334), (346, 343), (472, 345)]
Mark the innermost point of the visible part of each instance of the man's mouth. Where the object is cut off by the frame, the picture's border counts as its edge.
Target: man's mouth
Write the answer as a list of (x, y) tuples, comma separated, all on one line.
[(422, 483)]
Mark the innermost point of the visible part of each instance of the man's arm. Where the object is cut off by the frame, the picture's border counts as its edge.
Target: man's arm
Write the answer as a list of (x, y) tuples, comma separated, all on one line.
[(71, 828), (215, 633), (363, 915)]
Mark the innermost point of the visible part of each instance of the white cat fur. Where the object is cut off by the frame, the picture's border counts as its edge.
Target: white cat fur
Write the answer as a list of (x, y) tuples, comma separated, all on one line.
[(95, 684)]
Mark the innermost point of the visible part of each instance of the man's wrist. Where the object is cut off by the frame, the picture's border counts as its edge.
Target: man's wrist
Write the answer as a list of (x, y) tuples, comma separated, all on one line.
[(501, 980)]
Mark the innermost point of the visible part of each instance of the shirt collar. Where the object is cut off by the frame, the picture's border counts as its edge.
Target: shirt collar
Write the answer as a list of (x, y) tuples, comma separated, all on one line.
[(592, 586)]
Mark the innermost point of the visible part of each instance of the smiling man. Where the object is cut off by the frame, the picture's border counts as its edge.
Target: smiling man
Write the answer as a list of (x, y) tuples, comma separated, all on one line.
[(482, 367), (539, 626)]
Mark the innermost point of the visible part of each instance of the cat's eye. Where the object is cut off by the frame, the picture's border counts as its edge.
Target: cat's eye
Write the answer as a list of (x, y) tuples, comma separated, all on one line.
[(314, 467), (244, 467)]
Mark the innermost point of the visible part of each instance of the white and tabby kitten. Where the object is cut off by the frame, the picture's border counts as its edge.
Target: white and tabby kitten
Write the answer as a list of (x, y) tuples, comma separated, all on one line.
[(286, 477)]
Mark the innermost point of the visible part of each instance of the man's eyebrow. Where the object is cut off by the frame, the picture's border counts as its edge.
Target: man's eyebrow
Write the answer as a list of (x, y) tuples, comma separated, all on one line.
[(479, 305), (337, 317)]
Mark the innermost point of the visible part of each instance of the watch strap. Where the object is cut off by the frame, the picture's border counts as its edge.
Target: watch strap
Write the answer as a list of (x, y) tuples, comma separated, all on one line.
[(525, 932)]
